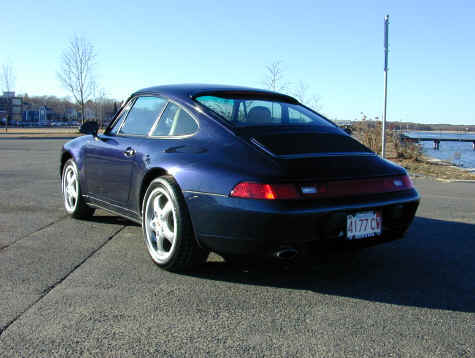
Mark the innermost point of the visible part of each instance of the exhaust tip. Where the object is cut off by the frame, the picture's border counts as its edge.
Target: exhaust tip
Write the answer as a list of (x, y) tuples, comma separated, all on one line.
[(287, 253)]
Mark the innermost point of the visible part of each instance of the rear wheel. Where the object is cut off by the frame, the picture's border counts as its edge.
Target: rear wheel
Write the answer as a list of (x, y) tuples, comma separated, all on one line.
[(167, 227), (70, 185)]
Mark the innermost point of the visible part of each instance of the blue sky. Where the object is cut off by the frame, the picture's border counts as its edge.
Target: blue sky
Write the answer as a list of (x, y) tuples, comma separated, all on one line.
[(334, 47)]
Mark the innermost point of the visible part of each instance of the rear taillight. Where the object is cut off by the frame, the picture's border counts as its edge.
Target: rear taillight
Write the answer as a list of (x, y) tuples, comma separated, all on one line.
[(408, 182), (331, 189), (265, 191)]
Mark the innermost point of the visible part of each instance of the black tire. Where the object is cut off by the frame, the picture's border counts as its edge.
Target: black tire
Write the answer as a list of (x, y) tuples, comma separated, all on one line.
[(77, 208), (185, 253)]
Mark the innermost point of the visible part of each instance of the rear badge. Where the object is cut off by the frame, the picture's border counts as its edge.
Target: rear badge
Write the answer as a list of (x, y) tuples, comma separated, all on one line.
[(309, 190)]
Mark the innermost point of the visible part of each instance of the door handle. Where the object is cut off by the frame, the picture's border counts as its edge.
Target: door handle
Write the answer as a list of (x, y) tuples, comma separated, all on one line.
[(147, 158), (129, 152)]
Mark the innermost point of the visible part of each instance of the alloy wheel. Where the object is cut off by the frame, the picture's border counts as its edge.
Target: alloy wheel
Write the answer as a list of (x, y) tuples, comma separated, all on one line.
[(70, 188), (160, 225)]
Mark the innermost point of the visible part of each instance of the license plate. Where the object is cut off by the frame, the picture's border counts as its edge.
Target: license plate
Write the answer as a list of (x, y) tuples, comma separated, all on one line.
[(363, 225)]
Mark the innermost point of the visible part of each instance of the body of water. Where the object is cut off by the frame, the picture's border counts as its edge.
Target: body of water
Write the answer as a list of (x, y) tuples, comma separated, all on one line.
[(459, 153)]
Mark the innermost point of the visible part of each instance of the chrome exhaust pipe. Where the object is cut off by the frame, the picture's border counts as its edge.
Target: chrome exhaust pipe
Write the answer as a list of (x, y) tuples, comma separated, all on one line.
[(287, 253)]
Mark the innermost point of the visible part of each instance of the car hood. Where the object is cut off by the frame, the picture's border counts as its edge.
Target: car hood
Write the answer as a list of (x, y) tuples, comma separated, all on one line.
[(319, 154)]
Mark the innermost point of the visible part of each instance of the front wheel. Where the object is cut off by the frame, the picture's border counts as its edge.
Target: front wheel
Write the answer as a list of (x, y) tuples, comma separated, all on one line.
[(167, 227), (73, 201)]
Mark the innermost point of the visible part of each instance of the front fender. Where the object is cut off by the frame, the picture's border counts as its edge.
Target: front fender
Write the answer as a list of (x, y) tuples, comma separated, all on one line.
[(75, 149)]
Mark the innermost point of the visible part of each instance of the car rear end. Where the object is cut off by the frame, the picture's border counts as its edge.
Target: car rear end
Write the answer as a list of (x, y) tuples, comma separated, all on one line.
[(331, 191), (266, 223)]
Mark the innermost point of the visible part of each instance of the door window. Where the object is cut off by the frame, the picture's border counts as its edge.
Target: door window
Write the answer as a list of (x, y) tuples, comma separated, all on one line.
[(116, 126), (142, 116)]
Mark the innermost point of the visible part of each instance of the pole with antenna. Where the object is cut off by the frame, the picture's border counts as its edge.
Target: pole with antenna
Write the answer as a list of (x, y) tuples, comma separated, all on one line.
[(386, 45)]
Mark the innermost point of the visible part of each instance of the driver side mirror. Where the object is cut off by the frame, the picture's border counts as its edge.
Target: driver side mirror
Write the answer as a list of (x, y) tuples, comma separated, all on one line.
[(89, 127)]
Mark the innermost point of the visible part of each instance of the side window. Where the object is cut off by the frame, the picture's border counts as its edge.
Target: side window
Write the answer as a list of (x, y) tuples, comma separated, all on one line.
[(142, 116), (184, 125), (175, 122)]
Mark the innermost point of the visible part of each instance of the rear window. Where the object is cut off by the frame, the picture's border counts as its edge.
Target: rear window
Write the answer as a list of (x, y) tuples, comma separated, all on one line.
[(248, 112)]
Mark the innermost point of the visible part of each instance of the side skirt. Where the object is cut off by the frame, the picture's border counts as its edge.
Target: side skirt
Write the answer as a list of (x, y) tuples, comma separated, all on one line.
[(113, 209)]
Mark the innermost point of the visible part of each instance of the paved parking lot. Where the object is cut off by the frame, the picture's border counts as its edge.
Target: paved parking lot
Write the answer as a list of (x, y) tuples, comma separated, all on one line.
[(87, 288)]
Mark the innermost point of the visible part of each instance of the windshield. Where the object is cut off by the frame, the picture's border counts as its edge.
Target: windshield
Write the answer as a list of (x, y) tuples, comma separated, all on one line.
[(248, 112)]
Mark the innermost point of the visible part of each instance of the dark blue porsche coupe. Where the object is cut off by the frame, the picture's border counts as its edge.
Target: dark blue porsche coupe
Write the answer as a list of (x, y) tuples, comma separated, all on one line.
[(234, 170)]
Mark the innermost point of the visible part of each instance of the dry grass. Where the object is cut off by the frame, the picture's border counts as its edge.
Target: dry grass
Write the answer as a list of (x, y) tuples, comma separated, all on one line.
[(39, 132), (408, 155), (46, 131), (433, 168)]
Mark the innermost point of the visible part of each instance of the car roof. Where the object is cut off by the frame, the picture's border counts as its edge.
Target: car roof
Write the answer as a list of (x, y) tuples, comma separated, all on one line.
[(194, 89)]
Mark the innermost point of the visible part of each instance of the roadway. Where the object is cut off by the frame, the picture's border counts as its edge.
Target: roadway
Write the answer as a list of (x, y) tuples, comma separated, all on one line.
[(87, 288)]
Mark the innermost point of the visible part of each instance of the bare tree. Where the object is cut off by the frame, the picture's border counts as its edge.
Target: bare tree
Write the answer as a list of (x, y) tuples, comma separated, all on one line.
[(77, 71), (100, 102), (8, 78), (314, 103), (274, 79), (301, 91), (8, 83)]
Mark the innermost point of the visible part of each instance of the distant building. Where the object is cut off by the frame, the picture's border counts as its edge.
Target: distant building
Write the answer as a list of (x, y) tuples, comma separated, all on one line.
[(31, 115), (71, 114), (89, 114), (41, 115), (341, 123), (107, 118), (11, 107), (347, 126)]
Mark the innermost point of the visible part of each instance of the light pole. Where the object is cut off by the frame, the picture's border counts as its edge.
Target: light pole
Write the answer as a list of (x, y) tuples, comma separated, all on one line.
[(383, 141)]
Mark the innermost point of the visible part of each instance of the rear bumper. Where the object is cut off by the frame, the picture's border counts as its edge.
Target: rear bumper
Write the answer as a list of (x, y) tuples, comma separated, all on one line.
[(260, 227)]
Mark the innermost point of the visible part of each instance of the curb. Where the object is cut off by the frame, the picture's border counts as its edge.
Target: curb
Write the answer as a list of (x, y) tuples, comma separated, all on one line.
[(455, 180), (419, 176), (34, 138)]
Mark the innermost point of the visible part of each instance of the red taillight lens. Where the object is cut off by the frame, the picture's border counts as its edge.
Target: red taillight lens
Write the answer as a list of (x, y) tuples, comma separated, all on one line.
[(408, 182), (265, 191)]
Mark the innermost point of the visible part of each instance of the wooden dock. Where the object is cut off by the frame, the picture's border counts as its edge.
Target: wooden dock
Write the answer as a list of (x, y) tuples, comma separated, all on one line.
[(436, 140)]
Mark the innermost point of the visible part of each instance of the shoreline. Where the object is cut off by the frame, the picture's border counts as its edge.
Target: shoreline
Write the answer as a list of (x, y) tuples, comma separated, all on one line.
[(427, 153), (435, 168), (442, 131), (448, 163)]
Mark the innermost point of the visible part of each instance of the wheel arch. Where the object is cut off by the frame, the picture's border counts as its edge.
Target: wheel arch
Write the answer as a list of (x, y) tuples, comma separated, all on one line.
[(65, 156), (148, 178)]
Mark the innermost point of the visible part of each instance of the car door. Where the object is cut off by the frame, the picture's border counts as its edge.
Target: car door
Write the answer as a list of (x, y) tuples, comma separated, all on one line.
[(111, 157), (166, 142)]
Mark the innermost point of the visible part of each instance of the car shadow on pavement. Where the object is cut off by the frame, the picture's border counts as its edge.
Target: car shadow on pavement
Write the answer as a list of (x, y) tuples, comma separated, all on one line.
[(432, 267)]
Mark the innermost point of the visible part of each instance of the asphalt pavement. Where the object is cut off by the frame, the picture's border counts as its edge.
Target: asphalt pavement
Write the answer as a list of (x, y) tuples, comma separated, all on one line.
[(73, 288)]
